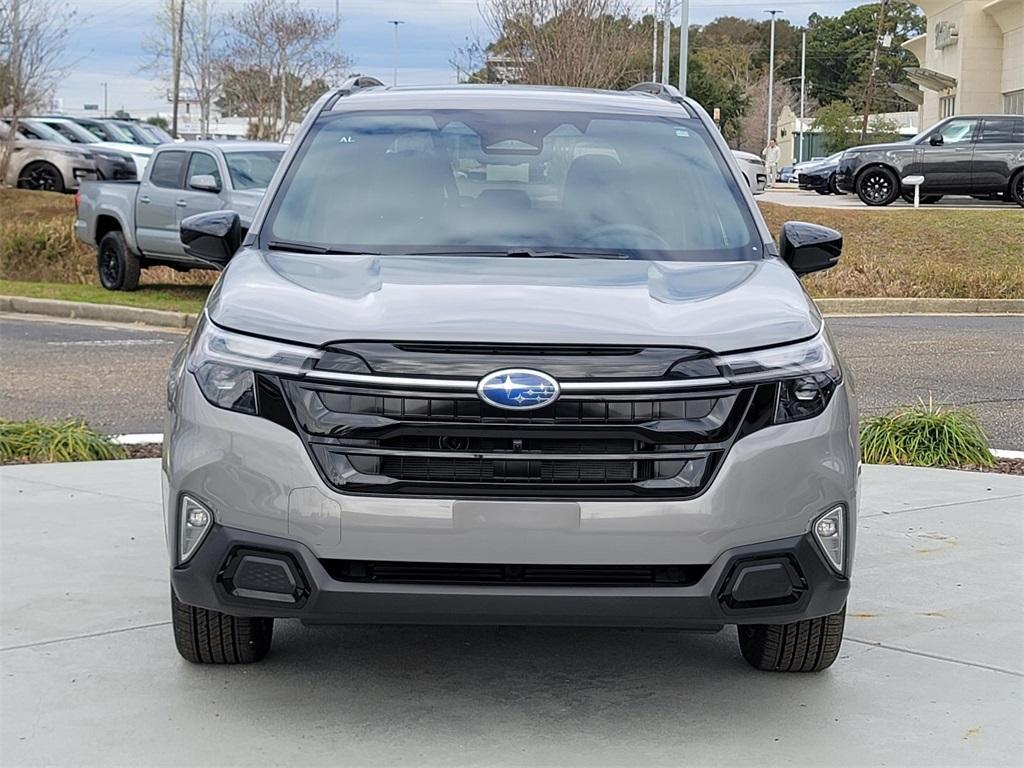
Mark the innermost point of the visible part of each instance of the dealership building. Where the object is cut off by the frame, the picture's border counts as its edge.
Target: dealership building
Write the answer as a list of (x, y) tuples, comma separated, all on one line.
[(970, 59)]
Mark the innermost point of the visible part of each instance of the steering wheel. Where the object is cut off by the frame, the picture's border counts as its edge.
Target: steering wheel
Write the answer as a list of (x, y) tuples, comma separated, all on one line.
[(615, 235)]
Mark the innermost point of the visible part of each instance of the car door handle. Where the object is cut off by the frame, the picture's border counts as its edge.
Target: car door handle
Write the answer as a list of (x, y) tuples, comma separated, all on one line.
[(144, 199), (181, 203)]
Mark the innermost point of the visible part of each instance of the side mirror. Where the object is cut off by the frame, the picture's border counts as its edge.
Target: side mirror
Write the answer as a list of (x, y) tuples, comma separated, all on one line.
[(204, 182), (935, 140), (212, 237), (809, 247)]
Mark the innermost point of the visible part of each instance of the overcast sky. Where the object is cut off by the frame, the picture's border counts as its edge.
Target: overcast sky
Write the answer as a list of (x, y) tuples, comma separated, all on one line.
[(107, 40)]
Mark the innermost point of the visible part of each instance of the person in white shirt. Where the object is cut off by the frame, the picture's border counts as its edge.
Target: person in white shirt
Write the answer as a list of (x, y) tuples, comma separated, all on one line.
[(772, 155)]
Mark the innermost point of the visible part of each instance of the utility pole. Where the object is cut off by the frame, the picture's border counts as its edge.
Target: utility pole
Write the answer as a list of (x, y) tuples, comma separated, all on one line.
[(104, 99), (771, 76), (684, 44), (803, 86), (178, 28), (666, 42), (653, 50), (870, 92), (394, 79)]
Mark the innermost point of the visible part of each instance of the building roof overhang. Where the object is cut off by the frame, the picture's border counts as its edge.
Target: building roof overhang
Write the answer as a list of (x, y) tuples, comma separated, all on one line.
[(930, 79)]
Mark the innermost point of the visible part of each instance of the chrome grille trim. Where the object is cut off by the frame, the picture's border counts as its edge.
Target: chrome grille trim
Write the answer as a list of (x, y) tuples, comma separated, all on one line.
[(470, 385)]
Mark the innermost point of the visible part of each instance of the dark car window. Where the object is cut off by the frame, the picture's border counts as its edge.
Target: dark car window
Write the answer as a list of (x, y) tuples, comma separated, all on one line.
[(1002, 130), (203, 164), (958, 131), (167, 168), (500, 181)]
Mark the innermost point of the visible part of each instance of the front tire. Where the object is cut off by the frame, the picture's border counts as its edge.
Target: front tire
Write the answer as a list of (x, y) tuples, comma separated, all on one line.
[(925, 199), (210, 637), (1016, 191), (833, 186), (810, 645), (41, 176), (878, 186), (118, 267)]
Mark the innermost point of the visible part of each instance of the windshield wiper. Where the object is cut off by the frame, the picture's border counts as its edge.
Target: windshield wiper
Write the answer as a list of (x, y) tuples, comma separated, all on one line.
[(528, 253), (285, 245)]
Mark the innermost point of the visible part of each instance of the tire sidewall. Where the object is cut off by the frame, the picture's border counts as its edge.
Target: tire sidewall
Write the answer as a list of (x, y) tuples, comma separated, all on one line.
[(1016, 190), (117, 268), (870, 173), (47, 168)]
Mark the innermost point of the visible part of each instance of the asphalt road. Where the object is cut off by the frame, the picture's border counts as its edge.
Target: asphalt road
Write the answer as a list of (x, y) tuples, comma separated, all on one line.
[(114, 376)]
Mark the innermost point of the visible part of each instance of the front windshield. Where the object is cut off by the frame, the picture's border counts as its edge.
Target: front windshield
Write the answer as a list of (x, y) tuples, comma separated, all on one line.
[(252, 170), (138, 135), (495, 181), (158, 133), (108, 131), (74, 132), (33, 129)]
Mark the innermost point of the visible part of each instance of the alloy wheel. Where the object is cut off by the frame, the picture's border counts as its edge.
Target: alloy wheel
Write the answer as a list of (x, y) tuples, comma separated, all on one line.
[(110, 266), (40, 178), (877, 187)]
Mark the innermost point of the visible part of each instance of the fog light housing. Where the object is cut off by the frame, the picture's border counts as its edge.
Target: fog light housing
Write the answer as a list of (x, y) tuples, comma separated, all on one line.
[(194, 522), (830, 533)]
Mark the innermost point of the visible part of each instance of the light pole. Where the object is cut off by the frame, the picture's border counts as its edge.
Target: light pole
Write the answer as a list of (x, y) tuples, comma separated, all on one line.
[(666, 42), (394, 80), (104, 99), (684, 44), (771, 76), (803, 87)]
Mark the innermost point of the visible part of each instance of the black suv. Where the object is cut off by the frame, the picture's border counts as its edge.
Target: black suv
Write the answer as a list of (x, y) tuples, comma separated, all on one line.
[(979, 155)]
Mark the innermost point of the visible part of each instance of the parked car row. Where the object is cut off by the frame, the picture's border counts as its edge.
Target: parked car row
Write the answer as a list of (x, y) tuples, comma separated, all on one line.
[(105, 148), (977, 155)]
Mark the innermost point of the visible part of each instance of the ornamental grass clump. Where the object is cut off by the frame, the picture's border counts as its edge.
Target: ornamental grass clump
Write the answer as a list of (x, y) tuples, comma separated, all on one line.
[(925, 435), (39, 441)]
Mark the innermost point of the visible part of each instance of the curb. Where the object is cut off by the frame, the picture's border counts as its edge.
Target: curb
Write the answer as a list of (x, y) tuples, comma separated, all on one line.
[(160, 318), (111, 313)]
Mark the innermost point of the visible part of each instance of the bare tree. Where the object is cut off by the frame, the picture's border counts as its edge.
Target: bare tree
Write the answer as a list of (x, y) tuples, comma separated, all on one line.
[(752, 126), (33, 36), (277, 59), (202, 36), (583, 43)]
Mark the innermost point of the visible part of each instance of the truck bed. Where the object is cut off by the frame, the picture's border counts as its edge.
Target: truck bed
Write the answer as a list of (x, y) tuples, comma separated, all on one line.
[(106, 200)]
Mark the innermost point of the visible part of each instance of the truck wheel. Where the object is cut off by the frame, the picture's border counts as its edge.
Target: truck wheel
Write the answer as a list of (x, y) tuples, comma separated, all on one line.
[(1017, 189), (210, 637), (877, 186), (41, 176), (810, 645), (119, 268)]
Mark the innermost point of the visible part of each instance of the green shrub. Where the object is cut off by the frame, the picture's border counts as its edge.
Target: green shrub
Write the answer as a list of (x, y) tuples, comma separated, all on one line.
[(39, 441), (925, 435)]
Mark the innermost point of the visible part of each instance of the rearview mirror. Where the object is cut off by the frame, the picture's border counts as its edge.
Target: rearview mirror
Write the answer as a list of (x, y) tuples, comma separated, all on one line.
[(935, 140), (809, 247), (212, 237), (204, 182)]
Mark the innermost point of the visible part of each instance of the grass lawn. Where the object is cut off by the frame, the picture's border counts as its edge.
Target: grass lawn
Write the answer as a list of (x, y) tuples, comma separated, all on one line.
[(929, 253), (180, 298)]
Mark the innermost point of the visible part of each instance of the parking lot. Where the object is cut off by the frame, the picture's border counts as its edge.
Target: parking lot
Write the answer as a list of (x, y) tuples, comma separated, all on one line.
[(930, 672)]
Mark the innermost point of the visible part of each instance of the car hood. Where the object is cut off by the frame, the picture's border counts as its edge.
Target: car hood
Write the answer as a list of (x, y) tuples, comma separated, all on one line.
[(319, 299), (131, 149), (741, 155), (820, 167)]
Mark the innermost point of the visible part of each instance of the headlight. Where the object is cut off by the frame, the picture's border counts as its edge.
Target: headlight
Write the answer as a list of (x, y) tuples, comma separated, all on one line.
[(224, 364), (807, 374)]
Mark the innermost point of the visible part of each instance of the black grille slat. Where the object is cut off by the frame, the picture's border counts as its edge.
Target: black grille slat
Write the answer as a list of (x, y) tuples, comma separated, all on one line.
[(496, 573)]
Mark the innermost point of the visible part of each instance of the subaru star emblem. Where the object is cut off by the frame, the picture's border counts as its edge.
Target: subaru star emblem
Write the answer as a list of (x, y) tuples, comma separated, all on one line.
[(518, 389)]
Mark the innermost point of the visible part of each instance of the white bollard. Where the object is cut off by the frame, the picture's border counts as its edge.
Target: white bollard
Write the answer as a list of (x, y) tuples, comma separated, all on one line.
[(915, 182)]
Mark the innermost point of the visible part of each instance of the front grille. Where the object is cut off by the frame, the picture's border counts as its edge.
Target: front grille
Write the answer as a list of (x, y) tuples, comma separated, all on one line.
[(539, 575), (448, 443)]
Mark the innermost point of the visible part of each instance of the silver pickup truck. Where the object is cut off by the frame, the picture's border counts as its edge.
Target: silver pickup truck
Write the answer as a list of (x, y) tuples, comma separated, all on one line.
[(134, 225)]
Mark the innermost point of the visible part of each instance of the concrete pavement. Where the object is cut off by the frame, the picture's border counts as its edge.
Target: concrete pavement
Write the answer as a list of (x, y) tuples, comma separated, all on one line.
[(114, 375), (931, 673)]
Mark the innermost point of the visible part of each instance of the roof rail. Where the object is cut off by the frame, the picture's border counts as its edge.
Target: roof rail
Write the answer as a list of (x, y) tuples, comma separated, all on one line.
[(661, 90), (358, 82)]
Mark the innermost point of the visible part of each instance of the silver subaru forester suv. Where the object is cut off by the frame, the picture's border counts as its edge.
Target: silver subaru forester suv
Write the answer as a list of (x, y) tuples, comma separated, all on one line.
[(510, 355)]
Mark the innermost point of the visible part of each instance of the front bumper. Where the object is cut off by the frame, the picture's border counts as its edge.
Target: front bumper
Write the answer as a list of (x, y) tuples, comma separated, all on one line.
[(812, 181), (774, 582)]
